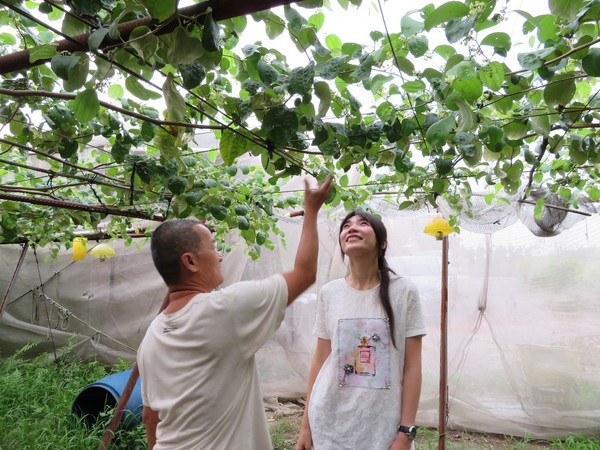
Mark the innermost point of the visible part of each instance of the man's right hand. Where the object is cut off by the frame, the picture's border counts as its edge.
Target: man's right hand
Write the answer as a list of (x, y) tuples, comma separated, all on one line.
[(314, 198)]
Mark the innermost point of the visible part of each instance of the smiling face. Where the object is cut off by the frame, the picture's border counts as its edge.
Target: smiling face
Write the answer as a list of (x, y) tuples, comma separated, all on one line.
[(357, 237), (363, 234), (207, 259)]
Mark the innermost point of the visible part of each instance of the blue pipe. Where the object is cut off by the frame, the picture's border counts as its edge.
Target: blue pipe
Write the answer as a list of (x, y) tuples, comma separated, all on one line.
[(104, 394)]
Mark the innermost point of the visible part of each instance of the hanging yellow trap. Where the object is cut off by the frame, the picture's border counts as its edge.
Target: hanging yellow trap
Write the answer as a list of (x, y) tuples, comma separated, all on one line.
[(102, 252), (438, 227), (79, 248)]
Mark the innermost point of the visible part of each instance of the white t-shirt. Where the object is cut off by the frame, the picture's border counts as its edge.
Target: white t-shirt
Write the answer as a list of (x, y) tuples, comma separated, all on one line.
[(197, 367), (356, 398)]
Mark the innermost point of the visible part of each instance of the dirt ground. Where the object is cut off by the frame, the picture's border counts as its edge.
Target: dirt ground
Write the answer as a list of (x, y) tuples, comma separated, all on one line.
[(285, 415)]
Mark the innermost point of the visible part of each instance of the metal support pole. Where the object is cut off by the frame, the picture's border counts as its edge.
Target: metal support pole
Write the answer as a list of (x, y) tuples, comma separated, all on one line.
[(14, 277), (443, 406)]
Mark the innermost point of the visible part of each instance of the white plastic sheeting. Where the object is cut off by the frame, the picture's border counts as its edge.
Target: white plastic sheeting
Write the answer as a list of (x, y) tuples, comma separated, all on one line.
[(523, 343)]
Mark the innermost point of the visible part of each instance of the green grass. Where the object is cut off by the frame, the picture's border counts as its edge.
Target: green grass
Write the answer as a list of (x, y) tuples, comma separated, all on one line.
[(36, 396)]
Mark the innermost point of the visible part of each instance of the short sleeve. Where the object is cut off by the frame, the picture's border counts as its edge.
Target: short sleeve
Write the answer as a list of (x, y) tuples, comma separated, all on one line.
[(259, 308), (320, 328), (414, 314)]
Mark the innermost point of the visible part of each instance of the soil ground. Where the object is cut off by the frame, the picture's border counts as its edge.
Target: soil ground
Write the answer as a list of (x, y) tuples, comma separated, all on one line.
[(285, 415)]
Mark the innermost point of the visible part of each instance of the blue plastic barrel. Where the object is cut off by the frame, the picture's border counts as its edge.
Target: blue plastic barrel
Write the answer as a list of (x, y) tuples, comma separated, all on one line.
[(104, 395)]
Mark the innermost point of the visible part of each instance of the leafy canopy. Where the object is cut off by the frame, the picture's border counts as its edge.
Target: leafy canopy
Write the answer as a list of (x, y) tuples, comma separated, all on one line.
[(442, 101)]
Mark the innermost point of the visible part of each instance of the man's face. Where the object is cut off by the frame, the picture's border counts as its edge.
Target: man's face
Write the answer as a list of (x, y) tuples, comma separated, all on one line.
[(209, 259)]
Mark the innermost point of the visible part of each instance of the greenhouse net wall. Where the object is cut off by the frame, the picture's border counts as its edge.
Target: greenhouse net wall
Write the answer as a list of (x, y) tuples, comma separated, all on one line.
[(523, 314)]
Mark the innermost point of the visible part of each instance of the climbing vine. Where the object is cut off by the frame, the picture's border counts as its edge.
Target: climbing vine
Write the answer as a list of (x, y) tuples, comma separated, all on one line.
[(101, 103)]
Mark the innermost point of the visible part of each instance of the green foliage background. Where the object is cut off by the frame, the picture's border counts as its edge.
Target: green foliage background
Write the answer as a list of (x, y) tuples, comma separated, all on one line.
[(440, 119)]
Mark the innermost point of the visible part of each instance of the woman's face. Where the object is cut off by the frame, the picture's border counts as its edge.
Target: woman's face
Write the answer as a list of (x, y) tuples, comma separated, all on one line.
[(357, 237)]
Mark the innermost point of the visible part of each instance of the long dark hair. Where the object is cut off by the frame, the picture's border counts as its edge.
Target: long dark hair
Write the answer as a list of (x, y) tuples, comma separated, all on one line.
[(382, 264)]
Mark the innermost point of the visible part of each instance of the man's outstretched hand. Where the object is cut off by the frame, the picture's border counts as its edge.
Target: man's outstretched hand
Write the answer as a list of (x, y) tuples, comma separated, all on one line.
[(314, 198)]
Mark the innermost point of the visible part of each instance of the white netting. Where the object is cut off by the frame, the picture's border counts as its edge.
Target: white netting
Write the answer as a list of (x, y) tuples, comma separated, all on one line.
[(523, 336)]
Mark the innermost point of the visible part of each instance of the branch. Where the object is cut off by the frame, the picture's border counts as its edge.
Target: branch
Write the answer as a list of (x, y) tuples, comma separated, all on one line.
[(221, 10), (52, 173), (125, 112), (62, 161), (81, 207), (558, 58)]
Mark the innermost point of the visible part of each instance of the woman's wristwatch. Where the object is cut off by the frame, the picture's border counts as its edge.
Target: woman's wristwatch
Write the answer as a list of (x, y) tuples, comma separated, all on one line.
[(410, 431)]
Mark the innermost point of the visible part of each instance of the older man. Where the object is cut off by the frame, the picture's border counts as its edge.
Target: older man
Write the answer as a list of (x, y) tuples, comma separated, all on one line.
[(200, 387)]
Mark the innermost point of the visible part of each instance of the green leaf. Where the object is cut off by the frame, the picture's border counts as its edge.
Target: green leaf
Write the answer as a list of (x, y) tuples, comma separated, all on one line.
[(466, 117), (492, 75), (211, 39), (183, 48), (144, 42), (331, 68), (161, 9), (137, 89), (177, 185), (116, 92), (533, 60), (72, 26), (334, 43), (301, 79), (457, 29), (445, 51), (565, 9), (560, 91), (437, 134), (61, 65), (323, 93), (418, 45), (8, 39), (218, 212), (274, 25), (77, 75), (445, 12), (96, 38), (67, 147), (40, 52), (409, 26), (515, 130), (540, 124), (294, 18), (413, 86), (232, 145), (281, 125), (443, 166), (89, 7), (591, 63), (176, 107), (514, 171), (405, 65), (470, 89), (497, 40), (464, 69), (267, 73), (494, 139), (192, 74), (85, 105)]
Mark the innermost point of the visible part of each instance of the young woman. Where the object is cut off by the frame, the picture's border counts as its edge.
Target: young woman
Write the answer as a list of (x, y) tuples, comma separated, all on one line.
[(365, 377)]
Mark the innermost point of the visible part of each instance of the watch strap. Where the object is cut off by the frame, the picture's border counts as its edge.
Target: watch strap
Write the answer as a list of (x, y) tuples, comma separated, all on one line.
[(410, 431)]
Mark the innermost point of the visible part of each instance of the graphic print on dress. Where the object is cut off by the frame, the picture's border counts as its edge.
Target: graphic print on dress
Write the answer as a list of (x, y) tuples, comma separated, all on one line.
[(364, 353)]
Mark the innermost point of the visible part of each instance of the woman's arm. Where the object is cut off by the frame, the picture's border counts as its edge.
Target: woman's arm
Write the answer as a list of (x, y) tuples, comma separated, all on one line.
[(411, 389), (321, 353)]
